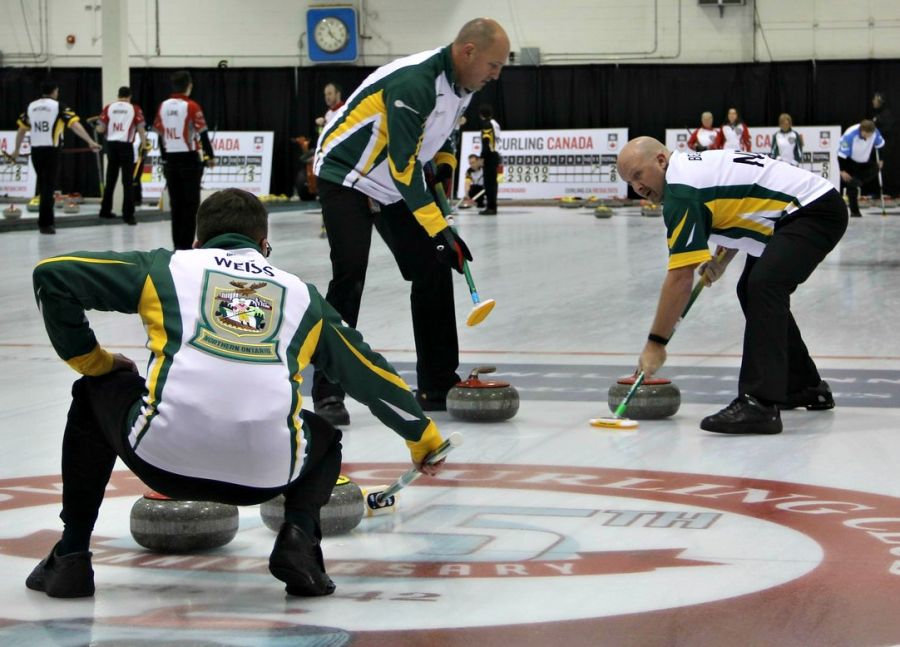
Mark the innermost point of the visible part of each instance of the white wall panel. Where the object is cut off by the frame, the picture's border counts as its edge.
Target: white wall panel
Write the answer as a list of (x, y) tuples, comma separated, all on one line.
[(271, 32)]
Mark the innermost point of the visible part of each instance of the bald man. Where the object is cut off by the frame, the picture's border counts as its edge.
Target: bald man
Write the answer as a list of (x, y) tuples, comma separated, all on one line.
[(369, 164), (786, 219)]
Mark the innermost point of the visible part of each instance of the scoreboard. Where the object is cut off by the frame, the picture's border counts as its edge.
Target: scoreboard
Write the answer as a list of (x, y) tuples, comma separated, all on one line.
[(243, 161), (542, 164)]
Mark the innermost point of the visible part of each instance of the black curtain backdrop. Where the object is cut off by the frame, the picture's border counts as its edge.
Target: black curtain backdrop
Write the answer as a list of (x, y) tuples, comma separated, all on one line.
[(645, 98)]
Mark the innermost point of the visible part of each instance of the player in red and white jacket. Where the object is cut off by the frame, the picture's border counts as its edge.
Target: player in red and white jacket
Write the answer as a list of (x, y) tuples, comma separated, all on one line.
[(121, 120), (734, 134), (704, 138), (183, 137)]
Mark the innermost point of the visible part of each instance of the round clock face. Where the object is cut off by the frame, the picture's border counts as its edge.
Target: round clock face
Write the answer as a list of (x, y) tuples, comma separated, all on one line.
[(331, 34)]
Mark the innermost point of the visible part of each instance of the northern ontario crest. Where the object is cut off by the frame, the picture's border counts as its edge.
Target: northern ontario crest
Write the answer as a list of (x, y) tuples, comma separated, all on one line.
[(239, 319), (241, 309)]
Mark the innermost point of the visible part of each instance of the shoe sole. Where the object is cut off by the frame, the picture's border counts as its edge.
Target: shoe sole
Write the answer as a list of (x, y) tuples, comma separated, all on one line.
[(295, 584), (755, 431)]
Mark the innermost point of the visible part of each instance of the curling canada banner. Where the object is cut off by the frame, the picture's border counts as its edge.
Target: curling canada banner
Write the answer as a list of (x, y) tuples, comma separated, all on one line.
[(243, 161), (542, 164), (820, 145)]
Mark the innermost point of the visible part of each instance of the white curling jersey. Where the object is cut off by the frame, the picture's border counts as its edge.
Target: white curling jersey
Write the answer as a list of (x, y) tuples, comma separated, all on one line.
[(122, 119), (730, 198)]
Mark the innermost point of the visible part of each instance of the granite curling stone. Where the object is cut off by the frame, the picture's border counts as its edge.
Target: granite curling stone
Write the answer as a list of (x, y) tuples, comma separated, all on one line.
[(603, 212), (651, 210), (476, 400), (164, 525), (12, 212), (656, 398), (343, 512), (571, 202)]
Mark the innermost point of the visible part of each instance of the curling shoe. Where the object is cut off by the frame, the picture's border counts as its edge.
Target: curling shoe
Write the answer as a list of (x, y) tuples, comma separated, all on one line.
[(814, 398), (297, 561), (745, 415), (63, 576)]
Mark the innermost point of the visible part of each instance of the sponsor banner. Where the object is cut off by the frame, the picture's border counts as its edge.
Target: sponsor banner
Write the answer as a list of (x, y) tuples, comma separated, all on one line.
[(243, 161), (820, 144), (17, 179), (542, 164)]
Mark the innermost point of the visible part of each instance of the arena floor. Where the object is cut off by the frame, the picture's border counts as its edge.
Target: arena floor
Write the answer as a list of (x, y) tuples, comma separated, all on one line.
[(542, 530)]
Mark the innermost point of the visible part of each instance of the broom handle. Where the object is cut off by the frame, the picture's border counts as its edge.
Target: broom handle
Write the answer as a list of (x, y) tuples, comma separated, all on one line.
[(445, 209), (620, 410), (413, 473)]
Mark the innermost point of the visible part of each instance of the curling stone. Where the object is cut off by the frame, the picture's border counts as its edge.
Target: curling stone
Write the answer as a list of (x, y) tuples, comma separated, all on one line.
[(476, 400), (603, 212), (168, 526), (571, 202), (12, 212), (71, 207), (343, 512), (34, 205), (76, 197), (656, 398), (651, 210)]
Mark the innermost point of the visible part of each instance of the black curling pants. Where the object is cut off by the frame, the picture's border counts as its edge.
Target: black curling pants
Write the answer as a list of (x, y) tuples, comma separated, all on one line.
[(119, 158), (349, 219), (775, 360), (184, 172)]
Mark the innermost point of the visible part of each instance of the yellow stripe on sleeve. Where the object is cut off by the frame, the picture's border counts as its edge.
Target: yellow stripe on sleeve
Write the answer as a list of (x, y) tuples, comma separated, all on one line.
[(82, 259), (405, 176), (97, 362), (150, 309), (689, 258), (678, 229), (394, 379), (307, 348)]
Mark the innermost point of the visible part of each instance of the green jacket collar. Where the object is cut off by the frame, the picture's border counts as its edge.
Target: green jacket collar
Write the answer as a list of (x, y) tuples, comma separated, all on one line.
[(231, 241), (447, 60)]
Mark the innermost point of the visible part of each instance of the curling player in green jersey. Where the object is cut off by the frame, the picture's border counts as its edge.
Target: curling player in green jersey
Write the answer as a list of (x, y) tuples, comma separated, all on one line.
[(786, 219), (218, 416), (369, 163)]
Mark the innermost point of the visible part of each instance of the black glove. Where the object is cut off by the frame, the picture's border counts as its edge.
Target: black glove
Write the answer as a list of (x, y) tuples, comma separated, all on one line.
[(451, 249)]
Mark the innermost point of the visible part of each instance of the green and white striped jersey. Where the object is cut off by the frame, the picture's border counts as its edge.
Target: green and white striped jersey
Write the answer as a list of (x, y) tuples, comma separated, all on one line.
[(732, 199), (229, 336), (400, 118)]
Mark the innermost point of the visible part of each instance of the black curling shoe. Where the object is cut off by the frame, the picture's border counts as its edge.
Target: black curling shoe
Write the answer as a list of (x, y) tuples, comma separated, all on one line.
[(814, 398), (63, 576), (745, 415), (297, 561)]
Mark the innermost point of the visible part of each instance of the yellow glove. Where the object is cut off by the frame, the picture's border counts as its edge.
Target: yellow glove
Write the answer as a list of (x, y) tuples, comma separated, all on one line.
[(430, 441)]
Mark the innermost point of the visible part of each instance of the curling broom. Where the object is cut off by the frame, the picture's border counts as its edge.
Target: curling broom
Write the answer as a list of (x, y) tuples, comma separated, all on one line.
[(481, 309), (380, 499), (618, 420)]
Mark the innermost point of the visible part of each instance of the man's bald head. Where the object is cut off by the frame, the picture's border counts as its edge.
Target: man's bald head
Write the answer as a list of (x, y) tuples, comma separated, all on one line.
[(643, 163), (642, 148), (479, 53), (480, 31)]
